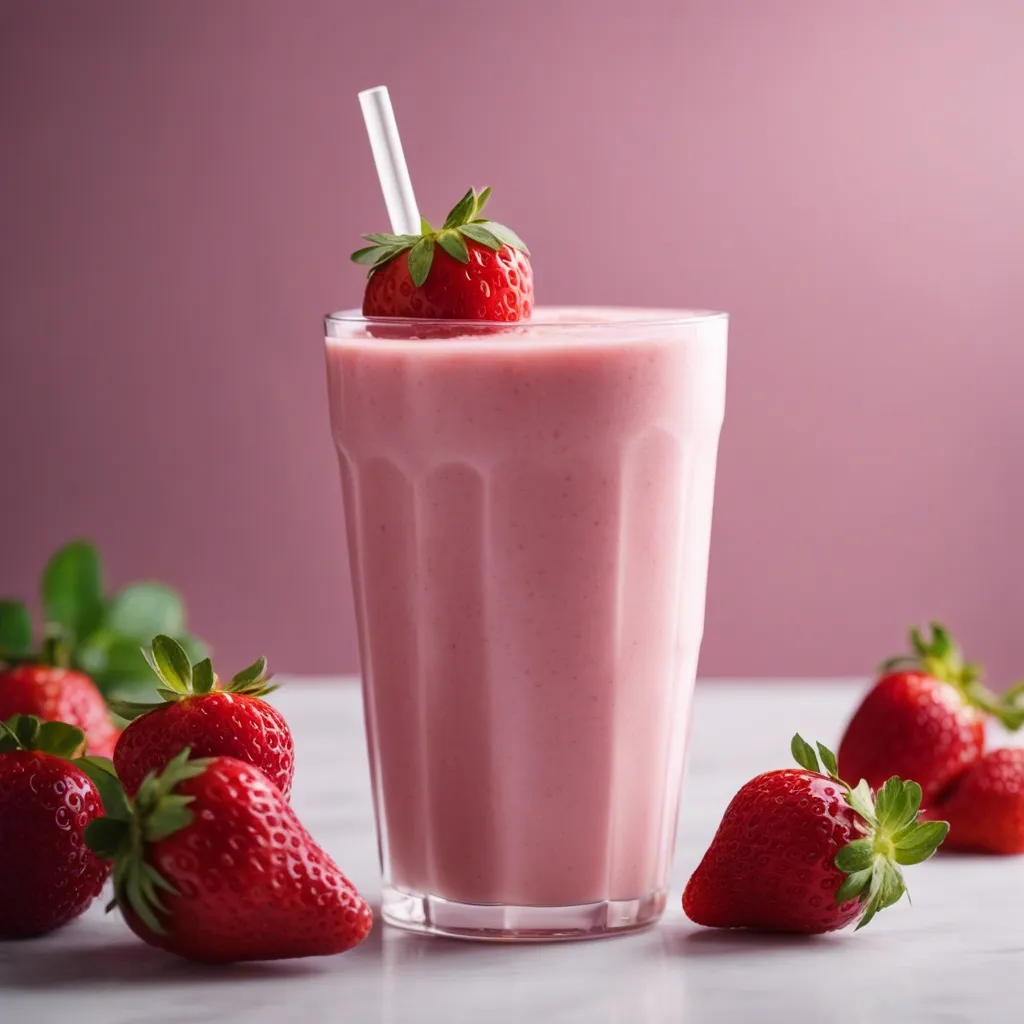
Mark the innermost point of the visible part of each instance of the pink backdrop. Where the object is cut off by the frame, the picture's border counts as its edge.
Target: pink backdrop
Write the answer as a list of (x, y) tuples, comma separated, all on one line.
[(182, 183)]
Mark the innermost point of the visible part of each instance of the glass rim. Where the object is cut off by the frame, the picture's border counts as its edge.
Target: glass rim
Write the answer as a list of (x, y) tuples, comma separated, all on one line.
[(635, 317)]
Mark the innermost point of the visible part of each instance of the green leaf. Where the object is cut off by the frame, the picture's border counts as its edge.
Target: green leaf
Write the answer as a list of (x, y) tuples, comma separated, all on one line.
[(104, 777), (425, 228), (142, 610), (803, 754), (60, 739), (8, 738), (106, 836), (855, 856), (463, 211), (202, 676), (828, 759), (853, 886), (481, 234), (107, 651), (255, 672), (27, 732), (921, 843), (887, 888), (421, 256), (130, 710), (15, 628), (371, 255), (897, 804), (481, 200), (453, 244), (506, 235), (172, 664), (171, 815), (136, 900), (393, 241), (72, 589), (860, 799)]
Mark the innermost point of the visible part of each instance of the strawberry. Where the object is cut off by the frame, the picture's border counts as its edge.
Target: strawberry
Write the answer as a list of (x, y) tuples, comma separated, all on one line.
[(212, 864), (231, 720), (924, 718), (800, 851), (47, 800), (985, 805), (59, 695), (40, 683), (471, 269)]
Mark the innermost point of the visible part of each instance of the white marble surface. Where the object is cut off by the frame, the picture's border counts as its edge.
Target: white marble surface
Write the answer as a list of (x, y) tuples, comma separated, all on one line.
[(952, 957)]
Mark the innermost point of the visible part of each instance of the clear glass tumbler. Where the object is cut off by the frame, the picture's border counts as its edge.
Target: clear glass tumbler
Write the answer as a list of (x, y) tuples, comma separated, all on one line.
[(528, 512)]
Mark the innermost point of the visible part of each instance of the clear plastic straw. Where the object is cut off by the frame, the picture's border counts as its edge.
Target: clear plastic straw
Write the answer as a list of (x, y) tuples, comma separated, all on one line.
[(390, 160)]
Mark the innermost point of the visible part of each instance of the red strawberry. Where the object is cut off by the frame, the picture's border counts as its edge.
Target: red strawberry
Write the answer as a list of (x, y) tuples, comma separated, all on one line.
[(59, 695), (799, 851), (212, 864), (985, 806), (230, 721), (471, 269), (47, 874), (924, 719)]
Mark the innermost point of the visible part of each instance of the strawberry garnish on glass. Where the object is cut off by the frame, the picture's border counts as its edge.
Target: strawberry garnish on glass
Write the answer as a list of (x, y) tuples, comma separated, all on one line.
[(799, 850), (471, 268), (925, 717)]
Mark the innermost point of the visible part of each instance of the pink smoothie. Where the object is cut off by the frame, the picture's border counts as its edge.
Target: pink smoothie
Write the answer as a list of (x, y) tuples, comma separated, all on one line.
[(528, 519)]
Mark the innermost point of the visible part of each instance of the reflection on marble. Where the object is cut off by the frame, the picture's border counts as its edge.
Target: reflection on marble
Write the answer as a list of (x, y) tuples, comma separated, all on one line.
[(950, 958)]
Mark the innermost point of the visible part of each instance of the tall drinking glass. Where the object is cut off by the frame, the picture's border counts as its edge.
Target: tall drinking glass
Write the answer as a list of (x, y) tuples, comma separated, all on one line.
[(528, 512)]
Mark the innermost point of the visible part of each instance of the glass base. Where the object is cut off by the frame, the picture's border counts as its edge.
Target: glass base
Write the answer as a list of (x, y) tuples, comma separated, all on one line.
[(498, 922)]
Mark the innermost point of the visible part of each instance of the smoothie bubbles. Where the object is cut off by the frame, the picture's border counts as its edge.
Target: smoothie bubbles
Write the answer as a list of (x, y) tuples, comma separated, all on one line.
[(528, 497)]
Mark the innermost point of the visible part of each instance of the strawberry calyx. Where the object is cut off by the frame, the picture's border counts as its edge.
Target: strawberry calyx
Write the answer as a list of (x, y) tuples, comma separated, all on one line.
[(27, 732), (464, 222), (68, 742), (941, 657), (127, 828), (892, 835), (181, 679)]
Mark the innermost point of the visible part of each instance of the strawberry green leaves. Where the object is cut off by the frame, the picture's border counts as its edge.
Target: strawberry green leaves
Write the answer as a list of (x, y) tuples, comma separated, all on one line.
[(893, 835), (421, 256), (180, 678), (203, 678), (452, 243), (807, 757), (941, 657), (104, 778), (126, 829), (26, 732), (142, 610), (169, 661), (15, 630), (72, 591), (87, 630), (464, 221)]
